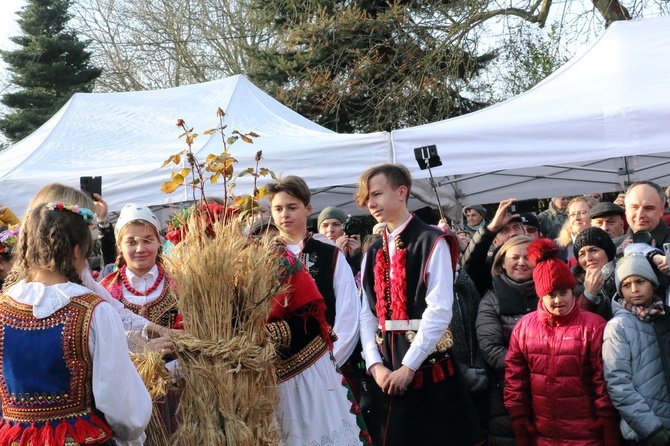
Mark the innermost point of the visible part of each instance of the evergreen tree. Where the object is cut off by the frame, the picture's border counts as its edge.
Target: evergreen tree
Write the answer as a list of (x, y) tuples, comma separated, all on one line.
[(365, 65), (50, 65)]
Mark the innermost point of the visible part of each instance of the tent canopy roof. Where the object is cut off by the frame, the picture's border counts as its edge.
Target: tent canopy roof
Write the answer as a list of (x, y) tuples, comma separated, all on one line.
[(597, 124)]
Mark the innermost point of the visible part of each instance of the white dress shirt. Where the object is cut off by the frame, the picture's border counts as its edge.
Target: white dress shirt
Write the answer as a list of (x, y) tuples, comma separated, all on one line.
[(435, 319)]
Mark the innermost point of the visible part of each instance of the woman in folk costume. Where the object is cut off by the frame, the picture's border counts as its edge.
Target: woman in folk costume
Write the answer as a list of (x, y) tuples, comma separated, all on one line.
[(141, 285), (67, 376), (315, 404)]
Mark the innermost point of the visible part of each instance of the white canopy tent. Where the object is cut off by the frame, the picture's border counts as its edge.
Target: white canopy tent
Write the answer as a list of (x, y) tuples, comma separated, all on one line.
[(126, 137), (597, 124)]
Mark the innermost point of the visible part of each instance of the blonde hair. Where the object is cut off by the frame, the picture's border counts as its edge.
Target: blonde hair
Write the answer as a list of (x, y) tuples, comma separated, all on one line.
[(496, 268), (120, 261), (60, 193), (565, 235), (396, 175)]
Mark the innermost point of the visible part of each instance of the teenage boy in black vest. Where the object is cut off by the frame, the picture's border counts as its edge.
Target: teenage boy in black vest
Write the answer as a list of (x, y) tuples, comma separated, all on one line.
[(290, 205), (417, 395)]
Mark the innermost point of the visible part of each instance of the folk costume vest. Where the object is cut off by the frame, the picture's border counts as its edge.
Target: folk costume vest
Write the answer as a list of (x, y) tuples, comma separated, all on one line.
[(414, 246), (321, 260), (47, 396), (161, 311)]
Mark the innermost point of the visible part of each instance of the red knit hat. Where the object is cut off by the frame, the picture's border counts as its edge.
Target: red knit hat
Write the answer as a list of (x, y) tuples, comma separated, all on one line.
[(550, 273)]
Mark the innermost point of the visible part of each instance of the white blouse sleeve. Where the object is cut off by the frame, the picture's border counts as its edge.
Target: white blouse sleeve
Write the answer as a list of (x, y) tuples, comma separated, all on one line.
[(347, 310), (131, 321), (439, 302), (118, 390)]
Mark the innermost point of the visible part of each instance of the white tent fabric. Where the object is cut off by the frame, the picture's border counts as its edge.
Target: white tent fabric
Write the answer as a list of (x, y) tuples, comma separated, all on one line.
[(125, 137), (597, 124)]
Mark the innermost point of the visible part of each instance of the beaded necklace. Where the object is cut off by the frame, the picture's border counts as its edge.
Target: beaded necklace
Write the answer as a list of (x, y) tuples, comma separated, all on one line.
[(391, 292), (129, 287)]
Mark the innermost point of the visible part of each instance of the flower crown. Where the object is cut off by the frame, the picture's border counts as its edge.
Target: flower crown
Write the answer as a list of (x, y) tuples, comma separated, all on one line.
[(8, 240), (85, 213)]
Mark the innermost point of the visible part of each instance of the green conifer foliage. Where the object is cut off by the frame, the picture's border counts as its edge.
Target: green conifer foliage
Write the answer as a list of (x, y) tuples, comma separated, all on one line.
[(365, 65), (48, 67)]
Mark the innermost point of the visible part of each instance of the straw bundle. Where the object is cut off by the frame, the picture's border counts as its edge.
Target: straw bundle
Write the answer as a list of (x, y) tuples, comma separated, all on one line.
[(151, 368), (224, 284)]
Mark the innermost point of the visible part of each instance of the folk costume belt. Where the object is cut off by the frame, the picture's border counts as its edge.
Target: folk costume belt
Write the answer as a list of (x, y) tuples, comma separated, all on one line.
[(410, 327)]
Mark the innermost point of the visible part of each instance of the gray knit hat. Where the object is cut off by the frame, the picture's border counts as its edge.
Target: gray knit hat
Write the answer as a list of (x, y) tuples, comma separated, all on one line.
[(477, 207), (331, 212), (634, 265)]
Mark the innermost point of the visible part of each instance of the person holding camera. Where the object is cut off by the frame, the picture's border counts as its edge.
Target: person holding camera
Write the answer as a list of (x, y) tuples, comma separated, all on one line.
[(344, 231), (477, 258)]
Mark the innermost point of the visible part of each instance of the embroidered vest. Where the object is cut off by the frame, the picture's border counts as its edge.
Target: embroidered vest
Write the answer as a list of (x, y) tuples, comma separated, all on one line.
[(46, 384), (419, 239), (161, 311), (321, 259)]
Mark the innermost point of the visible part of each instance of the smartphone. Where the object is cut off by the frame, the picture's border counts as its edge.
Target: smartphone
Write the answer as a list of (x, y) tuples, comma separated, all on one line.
[(91, 185), (511, 209), (666, 249)]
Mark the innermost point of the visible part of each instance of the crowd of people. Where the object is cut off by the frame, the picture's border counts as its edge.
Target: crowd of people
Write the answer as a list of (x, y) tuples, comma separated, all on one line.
[(521, 328)]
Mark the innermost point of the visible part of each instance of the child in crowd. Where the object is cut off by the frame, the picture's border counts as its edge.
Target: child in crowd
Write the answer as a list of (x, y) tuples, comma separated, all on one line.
[(67, 376), (635, 354), (555, 391), (290, 204)]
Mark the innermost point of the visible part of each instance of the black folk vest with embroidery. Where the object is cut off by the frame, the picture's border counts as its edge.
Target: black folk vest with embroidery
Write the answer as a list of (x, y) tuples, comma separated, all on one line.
[(419, 239), (321, 259)]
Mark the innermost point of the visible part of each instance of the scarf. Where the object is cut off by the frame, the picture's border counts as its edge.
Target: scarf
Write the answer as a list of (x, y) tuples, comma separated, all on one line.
[(302, 297), (645, 314)]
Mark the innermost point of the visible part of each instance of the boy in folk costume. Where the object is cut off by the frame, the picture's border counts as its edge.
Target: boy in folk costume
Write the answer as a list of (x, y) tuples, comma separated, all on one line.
[(417, 395), (290, 204)]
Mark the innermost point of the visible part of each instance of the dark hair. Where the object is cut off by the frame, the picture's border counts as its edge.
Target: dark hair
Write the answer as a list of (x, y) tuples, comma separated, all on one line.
[(656, 187), (48, 239), (292, 185), (396, 175)]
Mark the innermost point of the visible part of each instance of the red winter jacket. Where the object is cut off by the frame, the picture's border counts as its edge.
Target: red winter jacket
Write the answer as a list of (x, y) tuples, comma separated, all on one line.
[(554, 376)]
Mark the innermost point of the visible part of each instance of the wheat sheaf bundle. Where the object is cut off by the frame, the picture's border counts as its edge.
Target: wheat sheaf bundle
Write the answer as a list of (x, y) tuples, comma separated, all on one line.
[(224, 287), (151, 368)]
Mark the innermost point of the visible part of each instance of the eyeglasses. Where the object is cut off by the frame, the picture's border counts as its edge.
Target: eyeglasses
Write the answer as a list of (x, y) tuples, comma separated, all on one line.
[(578, 213)]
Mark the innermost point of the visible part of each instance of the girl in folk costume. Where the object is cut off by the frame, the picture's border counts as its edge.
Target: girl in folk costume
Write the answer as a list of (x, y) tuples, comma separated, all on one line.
[(315, 404), (140, 282), (60, 193), (141, 285), (67, 376)]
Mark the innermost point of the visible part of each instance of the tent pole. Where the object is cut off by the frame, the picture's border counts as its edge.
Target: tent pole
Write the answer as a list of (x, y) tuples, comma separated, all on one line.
[(434, 186)]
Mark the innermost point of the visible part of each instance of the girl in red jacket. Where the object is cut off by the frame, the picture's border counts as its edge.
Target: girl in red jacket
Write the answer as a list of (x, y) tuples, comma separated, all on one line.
[(555, 391)]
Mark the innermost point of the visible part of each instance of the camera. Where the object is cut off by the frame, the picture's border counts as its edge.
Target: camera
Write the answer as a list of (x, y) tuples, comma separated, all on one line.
[(352, 226), (642, 237)]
